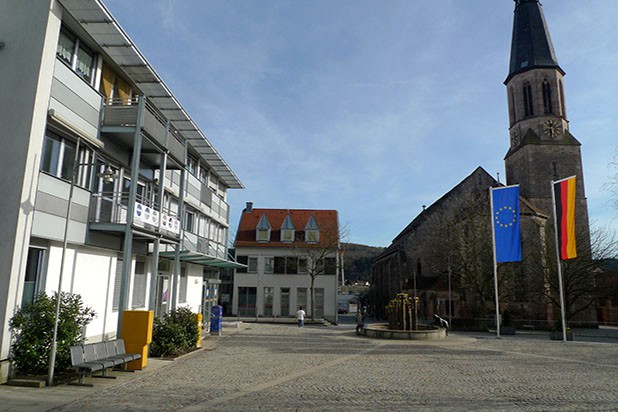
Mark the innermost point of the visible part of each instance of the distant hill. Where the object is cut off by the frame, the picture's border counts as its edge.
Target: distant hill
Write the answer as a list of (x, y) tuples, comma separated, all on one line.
[(358, 260)]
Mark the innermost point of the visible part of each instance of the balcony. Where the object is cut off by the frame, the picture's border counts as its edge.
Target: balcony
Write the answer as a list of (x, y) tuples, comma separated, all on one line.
[(121, 118), (108, 212)]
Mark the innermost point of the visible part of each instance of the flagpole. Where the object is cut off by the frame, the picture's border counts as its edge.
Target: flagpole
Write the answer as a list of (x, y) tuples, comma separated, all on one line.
[(493, 241), (560, 285)]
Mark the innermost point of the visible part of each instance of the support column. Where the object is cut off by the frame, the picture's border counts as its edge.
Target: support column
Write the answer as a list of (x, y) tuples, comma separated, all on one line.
[(179, 246), (128, 229)]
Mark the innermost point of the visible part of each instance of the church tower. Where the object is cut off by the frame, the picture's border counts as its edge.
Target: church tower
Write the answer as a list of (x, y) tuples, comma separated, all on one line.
[(542, 148)]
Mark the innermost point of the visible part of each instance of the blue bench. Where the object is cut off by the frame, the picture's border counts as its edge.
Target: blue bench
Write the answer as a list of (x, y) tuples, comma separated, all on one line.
[(99, 356)]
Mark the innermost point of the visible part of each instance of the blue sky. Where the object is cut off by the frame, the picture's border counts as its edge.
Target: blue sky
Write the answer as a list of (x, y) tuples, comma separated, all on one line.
[(373, 108)]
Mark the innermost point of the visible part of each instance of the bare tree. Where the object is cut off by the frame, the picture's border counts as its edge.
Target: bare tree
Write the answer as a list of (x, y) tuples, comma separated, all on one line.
[(578, 274), (320, 257), (460, 242)]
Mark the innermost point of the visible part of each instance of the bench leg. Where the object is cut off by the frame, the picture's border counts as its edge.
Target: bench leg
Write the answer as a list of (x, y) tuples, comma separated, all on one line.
[(80, 381)]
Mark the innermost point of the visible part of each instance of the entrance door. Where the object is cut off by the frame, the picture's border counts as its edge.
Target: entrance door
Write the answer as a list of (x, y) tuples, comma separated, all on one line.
[(319, 303), (162, 294), (246, 301), (285, 302)]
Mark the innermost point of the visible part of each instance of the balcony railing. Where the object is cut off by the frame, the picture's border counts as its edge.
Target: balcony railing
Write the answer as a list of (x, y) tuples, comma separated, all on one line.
[(112, 208)]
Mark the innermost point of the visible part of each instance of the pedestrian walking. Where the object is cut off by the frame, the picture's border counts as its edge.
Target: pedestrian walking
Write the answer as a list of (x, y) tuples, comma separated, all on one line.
[(361, 315), (300, 316)]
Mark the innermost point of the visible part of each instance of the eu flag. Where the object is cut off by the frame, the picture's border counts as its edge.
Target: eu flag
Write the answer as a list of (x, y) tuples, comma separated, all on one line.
[(505, 221)]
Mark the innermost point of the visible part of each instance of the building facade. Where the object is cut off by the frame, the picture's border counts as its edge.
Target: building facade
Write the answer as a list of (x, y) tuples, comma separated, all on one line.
[(111, 191), (283, 249)]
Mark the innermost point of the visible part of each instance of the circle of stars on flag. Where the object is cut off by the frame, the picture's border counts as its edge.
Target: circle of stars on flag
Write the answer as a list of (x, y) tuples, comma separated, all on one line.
[(506, 216)]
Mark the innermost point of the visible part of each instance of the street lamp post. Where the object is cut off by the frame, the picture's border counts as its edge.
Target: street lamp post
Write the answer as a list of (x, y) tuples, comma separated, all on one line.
[(108, 177)]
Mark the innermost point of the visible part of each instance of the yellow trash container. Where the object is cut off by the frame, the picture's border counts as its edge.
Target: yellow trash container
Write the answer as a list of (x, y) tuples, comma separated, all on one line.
[(137, 334)]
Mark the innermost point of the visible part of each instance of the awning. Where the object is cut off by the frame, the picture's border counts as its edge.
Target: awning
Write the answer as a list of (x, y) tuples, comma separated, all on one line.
[(204, 260)]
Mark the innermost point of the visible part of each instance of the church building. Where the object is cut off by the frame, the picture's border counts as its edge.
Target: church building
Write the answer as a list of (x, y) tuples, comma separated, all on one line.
[(444, 256)]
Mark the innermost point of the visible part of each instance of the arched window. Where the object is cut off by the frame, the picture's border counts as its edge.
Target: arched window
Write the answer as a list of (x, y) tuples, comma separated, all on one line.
[(562, 102), (528, 108), (547, 108), (513, 107)]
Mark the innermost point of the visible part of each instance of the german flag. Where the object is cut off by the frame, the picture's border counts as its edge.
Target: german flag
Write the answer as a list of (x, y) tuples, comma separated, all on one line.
[(564, 192)]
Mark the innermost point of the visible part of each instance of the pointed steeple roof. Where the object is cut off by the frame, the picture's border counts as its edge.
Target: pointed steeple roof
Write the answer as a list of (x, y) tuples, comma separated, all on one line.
[(531, 45)]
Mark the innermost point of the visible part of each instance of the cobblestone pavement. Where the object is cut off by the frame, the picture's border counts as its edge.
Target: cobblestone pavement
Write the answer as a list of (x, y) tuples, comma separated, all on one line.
[(286, 368)]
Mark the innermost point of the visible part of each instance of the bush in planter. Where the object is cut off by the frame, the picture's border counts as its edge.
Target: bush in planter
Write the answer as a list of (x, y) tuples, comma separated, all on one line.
[(33, 327), (174, 334)]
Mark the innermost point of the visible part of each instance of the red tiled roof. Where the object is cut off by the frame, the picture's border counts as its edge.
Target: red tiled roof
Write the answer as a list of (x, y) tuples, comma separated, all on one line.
[(327, 221)]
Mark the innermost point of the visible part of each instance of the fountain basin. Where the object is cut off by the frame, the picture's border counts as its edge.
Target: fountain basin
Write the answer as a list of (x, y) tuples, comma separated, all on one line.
[(381, 331)]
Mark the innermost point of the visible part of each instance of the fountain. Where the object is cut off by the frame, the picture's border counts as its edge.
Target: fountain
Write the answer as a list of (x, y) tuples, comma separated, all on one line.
[(403, 322)]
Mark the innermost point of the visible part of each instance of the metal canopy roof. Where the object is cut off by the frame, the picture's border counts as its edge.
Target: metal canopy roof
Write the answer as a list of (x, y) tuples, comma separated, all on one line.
[(204, 260), (112, 41)]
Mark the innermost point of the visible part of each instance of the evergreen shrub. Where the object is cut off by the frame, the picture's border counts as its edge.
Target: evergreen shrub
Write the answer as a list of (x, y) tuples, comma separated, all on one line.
[(32, 327), (174, 334)]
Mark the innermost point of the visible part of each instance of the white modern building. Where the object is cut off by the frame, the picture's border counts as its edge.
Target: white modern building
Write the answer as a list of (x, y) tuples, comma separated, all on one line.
[(105, 177), (281, 249)]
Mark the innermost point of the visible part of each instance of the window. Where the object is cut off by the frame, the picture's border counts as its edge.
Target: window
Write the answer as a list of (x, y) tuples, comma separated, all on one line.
[(243, 260), (203, 174), (280, 264), (285, 302), (287, 230), (34, 268), (562, 101), (269, 294), (58, 156), (139, 285), (246, 301), (301, 297), (189, 220), (513, 107), (182, 287), (191, 165), (319, 302), (312, 233), (253, 265), (312, 236), (79, 57), (117, 285), (302, 265), (287, 235), (330, 266), (291, 265), (58, 159), (263, 235), (528, 107), (262, 229), (547, 109), (269, 264)]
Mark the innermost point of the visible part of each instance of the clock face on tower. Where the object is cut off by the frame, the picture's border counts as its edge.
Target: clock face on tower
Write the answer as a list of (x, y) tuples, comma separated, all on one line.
[(551, 128)]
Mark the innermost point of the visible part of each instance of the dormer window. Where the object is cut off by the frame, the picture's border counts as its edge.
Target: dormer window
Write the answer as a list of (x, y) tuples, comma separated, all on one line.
[(262, 231), (312, 231), (287, 230)]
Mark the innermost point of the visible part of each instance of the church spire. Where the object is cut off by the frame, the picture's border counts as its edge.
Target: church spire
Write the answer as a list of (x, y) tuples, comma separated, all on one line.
[(531, 45)]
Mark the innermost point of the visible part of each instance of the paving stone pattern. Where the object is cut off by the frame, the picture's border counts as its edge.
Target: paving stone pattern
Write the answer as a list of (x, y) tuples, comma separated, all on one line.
[(286, 368)]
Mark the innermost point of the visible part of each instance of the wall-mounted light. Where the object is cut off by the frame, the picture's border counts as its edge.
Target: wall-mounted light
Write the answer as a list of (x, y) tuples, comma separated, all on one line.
[(107, 175)]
